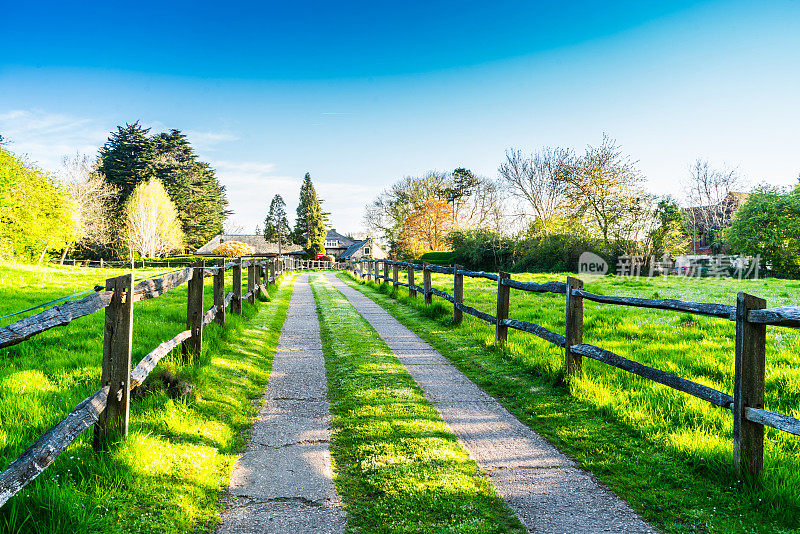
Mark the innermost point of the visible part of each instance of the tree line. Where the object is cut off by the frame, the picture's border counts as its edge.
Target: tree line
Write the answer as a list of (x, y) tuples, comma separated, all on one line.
[(143, 193), (547, 206)]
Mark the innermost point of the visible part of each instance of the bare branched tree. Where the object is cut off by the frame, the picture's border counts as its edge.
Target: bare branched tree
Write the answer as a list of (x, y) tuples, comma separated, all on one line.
[(710, 195), (480, 207), (539, 180), (605, 186), (232, 226), (93, 198)]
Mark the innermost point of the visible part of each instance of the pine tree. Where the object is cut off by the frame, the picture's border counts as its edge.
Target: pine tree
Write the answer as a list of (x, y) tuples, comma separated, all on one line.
[(130, 157), (275, 225), (300, 230), (124, 159), (309, 226), (192, 185)]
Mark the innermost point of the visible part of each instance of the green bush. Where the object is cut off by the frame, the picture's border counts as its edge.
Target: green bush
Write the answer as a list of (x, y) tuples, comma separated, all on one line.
[(484, 249), (37, 215), (442, 257), (556, 253)]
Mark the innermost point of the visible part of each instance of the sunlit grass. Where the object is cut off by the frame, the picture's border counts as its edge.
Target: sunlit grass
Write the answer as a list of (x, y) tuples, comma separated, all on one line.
[(668, 454), (166, 475), (398, 467)]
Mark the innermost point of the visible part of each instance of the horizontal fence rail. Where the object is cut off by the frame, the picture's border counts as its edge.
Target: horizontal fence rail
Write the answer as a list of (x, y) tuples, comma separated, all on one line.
[(656, 375), (750, 316), (95, 409), (781, 316), (722, 311)]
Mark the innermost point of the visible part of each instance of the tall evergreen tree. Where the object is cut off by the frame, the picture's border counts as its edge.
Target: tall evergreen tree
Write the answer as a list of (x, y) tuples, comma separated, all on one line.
[(124, 159), (300, 230), (276, 227), (309, 227), (192, 186), (131, 156)]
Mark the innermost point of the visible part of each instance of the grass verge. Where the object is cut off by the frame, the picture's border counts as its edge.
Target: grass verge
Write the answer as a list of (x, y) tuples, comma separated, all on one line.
[(168, 473), (398, 467), (668, 455)]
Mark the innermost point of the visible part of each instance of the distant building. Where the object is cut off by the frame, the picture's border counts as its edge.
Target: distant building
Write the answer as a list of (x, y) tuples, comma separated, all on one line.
[(336, 244), (703, 222), (259, 244), (366, 249)]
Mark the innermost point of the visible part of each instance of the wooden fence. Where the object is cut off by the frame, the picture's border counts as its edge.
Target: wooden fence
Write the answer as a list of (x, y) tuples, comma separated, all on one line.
[(750, 314), (108, 408)]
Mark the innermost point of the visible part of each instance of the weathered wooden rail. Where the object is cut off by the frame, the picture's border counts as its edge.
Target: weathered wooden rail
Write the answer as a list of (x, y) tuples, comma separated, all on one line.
[(108, 408), (750, 314)]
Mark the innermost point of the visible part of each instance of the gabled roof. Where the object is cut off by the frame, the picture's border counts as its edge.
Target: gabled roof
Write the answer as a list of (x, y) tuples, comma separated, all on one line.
[(352, 249), (333, 234)]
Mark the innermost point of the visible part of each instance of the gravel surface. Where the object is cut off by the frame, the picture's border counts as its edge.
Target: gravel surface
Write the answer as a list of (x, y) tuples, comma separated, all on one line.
[(283, 482), (543, 487)]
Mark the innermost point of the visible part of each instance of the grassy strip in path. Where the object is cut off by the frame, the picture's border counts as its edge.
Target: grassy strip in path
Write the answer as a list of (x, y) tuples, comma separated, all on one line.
[(168, 474), (398, 467), (673, 487)]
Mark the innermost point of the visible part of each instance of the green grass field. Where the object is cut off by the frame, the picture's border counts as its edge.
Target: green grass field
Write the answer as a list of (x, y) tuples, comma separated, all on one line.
[(166, 475), (668, 454), (398, 467)]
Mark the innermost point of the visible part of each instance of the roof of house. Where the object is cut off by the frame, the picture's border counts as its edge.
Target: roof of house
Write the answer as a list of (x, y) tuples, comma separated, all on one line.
[(352, 249), (259, 244), (334, 235)]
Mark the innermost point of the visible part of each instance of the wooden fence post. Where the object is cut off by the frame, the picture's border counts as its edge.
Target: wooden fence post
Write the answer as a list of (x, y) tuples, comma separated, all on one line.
[(503, 294), (236, 301), (411, 292), (573, 363), (395, 274), (260, 276), (273, 272), (219, 291), (369, 270), (458, 293), (251, 282), (377, 272), (194, 311), (748, 387), (385, 272), (426, 282), (117, 343)]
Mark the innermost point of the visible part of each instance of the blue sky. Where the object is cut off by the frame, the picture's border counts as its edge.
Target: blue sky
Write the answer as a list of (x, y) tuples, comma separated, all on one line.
[(361, 94)]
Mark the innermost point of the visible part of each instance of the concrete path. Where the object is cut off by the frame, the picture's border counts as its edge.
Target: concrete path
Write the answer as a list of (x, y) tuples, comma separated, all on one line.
[(543, 487), (283, 482)]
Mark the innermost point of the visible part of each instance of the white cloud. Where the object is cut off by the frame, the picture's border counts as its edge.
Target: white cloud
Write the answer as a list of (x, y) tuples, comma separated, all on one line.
[(44, 138), (250, 186), (208, 141)]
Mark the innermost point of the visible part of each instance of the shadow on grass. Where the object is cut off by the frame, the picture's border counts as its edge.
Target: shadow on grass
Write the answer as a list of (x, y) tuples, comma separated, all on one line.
[(166, 475), (682, 480)]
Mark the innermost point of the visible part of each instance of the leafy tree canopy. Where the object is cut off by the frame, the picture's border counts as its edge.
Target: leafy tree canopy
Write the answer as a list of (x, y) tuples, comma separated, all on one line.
[(132, 156), (768, 223), (151, 220), (36, 214)]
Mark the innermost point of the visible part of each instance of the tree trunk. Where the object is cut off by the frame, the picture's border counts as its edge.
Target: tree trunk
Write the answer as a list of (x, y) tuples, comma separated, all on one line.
[(63, 255), (41, 256)]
